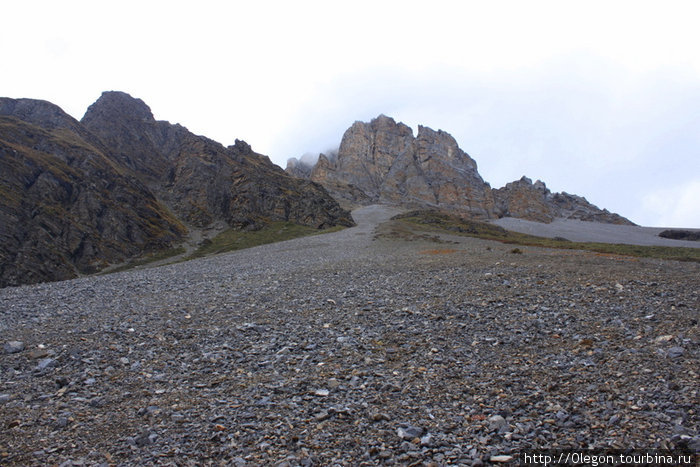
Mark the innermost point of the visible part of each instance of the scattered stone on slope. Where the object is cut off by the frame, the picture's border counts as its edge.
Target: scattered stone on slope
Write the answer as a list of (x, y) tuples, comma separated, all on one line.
[(555, 359), (13, 347)]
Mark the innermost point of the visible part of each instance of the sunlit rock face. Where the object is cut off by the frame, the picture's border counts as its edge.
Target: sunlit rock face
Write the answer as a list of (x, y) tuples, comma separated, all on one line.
[(382, 161)]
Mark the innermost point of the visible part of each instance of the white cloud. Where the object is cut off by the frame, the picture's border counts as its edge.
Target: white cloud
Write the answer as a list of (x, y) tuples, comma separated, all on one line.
[(598, 98), (677, 206)]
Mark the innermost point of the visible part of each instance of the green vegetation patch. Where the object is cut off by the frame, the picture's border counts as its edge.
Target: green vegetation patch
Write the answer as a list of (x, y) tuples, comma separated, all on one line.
[(435, 220), (234, 239)]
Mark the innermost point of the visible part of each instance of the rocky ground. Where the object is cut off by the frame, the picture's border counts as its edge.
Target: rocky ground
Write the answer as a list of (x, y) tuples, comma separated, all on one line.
[(354, 348)]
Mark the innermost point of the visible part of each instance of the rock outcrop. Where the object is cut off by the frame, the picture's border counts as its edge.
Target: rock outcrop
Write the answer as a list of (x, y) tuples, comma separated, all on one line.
[(382, 161), (525, 200), (78, 196), (533, 201)]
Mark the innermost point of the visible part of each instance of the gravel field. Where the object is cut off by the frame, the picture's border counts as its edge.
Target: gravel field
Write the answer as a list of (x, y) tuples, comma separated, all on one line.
[(581, 231), (353, 348)]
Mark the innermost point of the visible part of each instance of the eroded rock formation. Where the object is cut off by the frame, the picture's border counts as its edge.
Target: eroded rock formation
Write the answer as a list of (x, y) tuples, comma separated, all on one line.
[(381, 161)]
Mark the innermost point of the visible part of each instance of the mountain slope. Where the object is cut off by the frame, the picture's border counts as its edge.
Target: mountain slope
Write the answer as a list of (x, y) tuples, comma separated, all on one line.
[(66, 209)]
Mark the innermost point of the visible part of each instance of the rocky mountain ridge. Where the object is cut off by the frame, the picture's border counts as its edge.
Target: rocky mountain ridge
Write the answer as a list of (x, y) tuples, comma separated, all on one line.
[(381, 161), (76, 197)]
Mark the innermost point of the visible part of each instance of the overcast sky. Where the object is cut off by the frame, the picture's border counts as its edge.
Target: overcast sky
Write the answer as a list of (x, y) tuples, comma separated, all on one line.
[(600, 99)]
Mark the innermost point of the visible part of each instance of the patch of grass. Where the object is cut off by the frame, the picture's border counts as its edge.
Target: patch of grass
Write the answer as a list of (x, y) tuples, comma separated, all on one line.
[(150, 258), (435, 220), (234, 239)]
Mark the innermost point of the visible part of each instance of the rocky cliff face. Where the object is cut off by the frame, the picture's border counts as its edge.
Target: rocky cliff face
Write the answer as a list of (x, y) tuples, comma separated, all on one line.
[(199, 179), (382, 161), (78, 196), (65, 208)]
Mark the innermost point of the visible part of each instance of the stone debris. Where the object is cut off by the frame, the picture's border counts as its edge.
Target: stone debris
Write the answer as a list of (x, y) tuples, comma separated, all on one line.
[(13, 347), (423, 359)]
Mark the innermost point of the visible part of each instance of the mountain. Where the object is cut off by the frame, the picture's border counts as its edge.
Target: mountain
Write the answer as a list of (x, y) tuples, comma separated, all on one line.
[(381, 161), (77, 196), (65, 207), (201, 180)]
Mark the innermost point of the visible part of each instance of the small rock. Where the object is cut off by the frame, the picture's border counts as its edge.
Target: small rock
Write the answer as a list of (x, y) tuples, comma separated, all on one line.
[(496, 422), (4, 398), (378, 417), (45, 364), (13, 347), (321, 392), (675, 352), (61, 422), (333, 383), (501, 458), (38, 353), (665, 338), (62, 381), (410, 432)]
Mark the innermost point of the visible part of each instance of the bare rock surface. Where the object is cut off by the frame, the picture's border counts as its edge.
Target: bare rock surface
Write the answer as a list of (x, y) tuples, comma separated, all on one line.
[(381, 161), (369, 346)]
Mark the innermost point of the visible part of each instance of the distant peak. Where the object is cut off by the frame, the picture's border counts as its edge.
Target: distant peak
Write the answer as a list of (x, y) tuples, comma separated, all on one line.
[(118, 105)]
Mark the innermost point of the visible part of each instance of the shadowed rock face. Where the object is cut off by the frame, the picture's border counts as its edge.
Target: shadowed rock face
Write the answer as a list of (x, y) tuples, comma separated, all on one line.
[(78, 196), (382, 161), (201, 180), (66, 209)]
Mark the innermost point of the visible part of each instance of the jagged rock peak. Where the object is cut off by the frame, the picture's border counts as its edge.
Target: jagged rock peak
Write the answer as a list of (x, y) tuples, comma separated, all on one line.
[(117, 105), (382, 161)]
